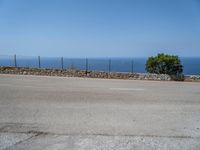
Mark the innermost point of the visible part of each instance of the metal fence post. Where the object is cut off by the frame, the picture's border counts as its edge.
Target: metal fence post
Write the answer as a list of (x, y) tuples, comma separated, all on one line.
[(132, 66), (39, 62), (15, 60), (109, 65), (62, 62), (86, 64)]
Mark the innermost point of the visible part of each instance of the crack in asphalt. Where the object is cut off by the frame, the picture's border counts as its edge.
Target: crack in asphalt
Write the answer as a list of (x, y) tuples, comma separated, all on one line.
[(21, 141), (6, 129), (39, 133)]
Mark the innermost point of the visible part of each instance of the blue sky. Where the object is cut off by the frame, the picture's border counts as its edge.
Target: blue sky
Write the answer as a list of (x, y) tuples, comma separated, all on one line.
[(100, 28)]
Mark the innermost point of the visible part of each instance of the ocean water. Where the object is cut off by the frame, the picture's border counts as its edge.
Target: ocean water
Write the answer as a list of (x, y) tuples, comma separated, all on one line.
[(191, 65)]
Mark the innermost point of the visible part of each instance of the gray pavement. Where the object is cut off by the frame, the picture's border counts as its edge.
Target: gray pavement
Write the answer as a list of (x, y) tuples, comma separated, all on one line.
[(77, 113)]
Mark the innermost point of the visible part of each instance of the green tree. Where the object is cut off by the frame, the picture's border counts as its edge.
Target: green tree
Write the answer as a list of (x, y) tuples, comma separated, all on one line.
[(164, 64)]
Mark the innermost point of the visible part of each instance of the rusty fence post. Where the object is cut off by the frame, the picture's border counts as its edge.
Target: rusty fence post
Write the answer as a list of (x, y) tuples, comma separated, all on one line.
[(109, 65), (62, 62), (132, 66), (39, 65), (86, 65)]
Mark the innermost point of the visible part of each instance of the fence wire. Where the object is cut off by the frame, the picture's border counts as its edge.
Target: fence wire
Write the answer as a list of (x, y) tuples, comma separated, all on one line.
[(191, 66)]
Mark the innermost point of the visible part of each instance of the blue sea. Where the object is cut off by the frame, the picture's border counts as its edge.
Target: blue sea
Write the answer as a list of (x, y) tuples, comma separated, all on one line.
[(191, 65)]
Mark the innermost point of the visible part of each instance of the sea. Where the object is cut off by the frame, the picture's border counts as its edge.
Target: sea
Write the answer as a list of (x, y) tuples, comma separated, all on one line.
[(191, 65)]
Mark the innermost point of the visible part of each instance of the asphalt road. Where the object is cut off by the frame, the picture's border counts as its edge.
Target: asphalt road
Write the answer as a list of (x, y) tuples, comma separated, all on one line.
[(76, 113)]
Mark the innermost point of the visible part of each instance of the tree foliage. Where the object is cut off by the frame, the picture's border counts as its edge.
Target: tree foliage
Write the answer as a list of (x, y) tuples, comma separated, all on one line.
[(164, 64)]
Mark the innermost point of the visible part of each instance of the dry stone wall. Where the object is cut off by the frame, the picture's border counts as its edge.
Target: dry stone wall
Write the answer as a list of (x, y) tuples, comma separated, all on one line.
[(89, 74)]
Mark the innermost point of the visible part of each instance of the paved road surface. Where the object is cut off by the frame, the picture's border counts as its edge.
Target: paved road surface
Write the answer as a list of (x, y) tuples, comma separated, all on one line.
[(51, 113)]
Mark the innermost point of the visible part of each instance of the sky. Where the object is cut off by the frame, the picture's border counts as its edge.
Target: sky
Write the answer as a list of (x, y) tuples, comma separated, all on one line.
[(100, 28)]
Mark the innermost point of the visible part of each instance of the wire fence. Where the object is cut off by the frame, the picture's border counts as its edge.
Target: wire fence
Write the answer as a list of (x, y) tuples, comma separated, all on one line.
[(191, 65), (88, 64)]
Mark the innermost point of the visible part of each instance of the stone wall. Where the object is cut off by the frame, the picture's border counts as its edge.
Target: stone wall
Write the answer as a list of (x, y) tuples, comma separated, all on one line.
[(91, 74), (192, 78), (79, 73)]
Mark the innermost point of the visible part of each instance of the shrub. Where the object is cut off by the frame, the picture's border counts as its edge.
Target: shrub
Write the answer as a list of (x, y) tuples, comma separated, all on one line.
[(164, 64)]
